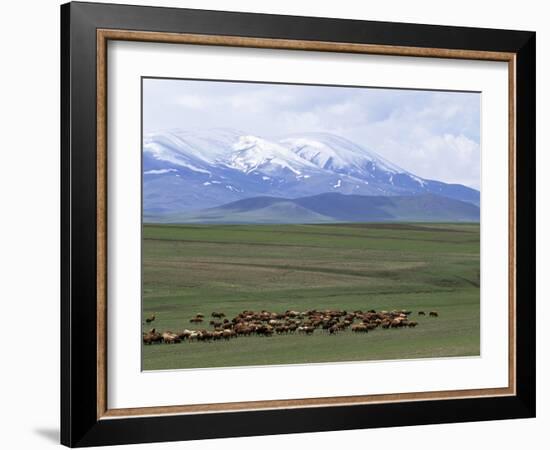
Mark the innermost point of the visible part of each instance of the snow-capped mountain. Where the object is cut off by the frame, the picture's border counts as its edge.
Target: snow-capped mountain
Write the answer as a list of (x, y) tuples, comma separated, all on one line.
[(185, 171)]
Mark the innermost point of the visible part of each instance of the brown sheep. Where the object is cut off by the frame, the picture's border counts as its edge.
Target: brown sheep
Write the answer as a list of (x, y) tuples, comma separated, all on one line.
[(228, 334), (205, 336), (196, 319), (434, 314), (185, 334), (217, 335), (151, 337), (306, 329), (218, 315), (265, 330), (396, 323), (150, 319), (421, 313), (194, 336), (170, 338)]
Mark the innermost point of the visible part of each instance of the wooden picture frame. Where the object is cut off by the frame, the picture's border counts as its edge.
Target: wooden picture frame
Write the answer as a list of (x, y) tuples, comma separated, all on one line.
[(86, 418)]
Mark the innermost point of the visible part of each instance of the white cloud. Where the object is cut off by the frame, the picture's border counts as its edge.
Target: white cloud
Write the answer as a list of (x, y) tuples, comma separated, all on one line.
[(192, 101), (454, 159), (342, 108), (296, 122)]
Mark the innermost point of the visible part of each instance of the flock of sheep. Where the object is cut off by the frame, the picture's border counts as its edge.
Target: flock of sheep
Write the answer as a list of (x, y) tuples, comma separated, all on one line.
[(265, 323)]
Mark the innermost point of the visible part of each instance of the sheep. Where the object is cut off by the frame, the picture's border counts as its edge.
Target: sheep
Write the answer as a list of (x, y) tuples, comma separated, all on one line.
[(228, 334), (264, 330), (306, 329), (396, 323), (150, 318), (185, 334), (217, 335), (359, 328), (205, 335), (194, 336), (151, 337), (170, 338), (434, 314)]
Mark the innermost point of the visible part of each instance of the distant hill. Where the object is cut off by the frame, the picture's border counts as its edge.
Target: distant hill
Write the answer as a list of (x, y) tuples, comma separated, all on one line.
[(334, 207)]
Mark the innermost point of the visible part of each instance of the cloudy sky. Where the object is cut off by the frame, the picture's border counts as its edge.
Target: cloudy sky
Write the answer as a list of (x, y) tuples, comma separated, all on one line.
[(432, 134)]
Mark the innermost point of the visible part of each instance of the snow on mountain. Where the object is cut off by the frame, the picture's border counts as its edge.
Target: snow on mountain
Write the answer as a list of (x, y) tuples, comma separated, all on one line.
[(339, 155), (252, 153), (335, 153), (188, 170), (180, 146), (198, 151), (158, 171)]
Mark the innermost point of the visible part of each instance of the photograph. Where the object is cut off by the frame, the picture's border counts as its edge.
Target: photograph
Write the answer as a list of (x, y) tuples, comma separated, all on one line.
[(300, 224)]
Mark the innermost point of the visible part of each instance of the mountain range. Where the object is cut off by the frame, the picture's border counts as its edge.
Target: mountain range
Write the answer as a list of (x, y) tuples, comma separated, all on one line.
[(187, 173)]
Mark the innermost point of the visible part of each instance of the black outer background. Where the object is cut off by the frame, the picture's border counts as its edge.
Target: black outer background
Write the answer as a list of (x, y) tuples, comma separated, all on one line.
[(79, 426)]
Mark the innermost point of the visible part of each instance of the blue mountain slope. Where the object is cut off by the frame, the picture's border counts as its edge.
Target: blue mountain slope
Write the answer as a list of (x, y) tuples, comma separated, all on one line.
[(334, 207)]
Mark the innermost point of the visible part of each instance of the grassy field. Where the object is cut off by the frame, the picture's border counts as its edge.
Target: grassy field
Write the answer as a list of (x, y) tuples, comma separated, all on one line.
[(189, 269)]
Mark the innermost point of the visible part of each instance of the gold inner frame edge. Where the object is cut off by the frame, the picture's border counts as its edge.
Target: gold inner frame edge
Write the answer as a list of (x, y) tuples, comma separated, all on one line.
[(104, 35)]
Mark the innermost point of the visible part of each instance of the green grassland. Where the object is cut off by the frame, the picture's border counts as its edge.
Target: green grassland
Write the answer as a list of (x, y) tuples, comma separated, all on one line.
[(189, 269)]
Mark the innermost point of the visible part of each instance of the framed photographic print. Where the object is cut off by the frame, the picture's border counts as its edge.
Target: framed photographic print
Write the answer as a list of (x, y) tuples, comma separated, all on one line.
[(276, 224)]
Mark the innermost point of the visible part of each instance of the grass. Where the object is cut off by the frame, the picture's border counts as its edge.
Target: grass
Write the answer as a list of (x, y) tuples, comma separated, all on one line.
[(189, 269)]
